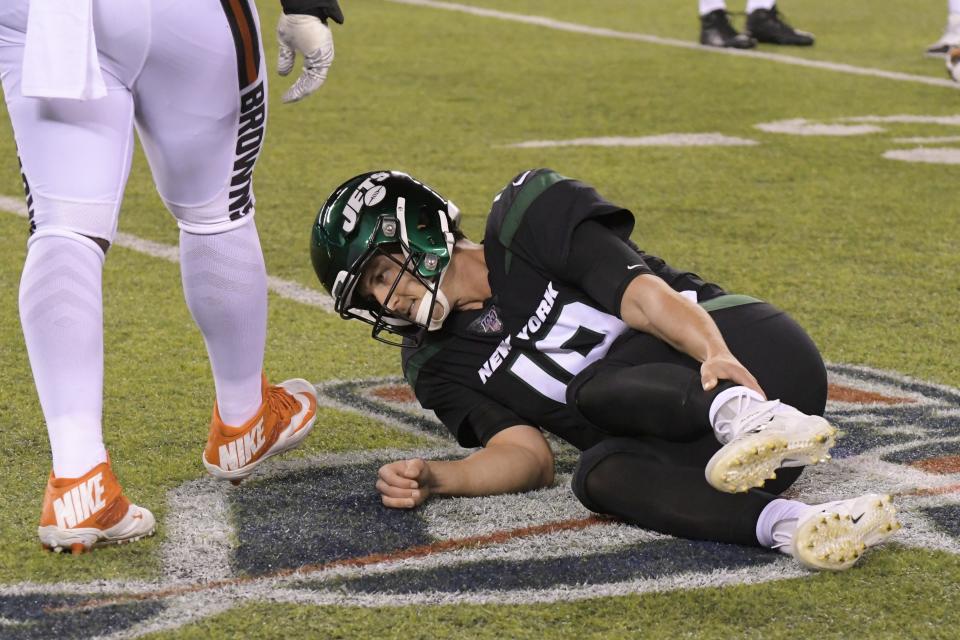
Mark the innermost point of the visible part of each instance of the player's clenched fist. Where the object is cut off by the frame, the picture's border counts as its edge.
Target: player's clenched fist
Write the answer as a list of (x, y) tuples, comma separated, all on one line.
[(309, 36), (404, 484)]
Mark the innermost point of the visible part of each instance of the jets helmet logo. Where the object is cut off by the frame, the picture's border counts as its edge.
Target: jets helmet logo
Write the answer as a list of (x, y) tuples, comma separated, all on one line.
[(367, 193)]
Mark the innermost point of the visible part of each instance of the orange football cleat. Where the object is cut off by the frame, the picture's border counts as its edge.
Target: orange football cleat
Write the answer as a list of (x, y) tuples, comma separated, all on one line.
[(81, 513), (280, 424)]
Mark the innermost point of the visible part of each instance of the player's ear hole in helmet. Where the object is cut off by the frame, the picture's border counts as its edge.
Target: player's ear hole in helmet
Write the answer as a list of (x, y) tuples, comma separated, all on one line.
[(391, 214)]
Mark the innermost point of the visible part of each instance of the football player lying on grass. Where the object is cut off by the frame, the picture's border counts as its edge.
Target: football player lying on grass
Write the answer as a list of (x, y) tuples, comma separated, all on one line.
[(558, 322)]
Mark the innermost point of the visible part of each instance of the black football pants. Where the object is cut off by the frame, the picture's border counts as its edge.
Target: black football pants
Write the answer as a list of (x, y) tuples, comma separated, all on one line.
[(648, 401)]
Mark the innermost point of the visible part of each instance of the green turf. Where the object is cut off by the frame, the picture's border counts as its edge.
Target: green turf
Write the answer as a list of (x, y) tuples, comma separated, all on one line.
[(862, 250)]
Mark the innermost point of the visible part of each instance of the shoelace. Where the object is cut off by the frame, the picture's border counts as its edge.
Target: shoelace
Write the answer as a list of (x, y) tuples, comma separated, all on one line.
[(281, 404), (758, 419), (725, 26), (112, 513), (779, 21)]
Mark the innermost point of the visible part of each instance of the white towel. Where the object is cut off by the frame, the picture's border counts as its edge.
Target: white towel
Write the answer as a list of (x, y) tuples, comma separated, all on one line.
[(60, 57)]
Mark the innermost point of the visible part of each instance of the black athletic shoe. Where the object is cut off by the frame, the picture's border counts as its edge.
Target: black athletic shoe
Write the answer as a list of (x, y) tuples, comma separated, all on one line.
[(716, 31), (766, 25)]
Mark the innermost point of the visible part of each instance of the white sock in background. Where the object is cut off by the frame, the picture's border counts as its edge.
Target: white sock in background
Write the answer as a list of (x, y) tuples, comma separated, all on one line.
[(953, 7), (753, 5), (778, 521), (706, 6), (225, 285), (61, 310)]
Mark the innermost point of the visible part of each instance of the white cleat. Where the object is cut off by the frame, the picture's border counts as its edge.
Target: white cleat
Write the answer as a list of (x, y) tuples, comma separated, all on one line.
[(79, 514), (770, 437), (949, 39), (136, 524), (283, 420), (833, 536)]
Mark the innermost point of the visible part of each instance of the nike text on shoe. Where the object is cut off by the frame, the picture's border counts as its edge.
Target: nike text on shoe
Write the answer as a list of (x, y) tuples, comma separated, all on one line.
[(716, 31), (81, 513), (282, 422), (767, 26), (763, 440), (834, 535)]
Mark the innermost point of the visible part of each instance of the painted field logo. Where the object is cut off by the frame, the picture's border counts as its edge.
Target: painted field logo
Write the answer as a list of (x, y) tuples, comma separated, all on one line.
[(314, 531), (899, 436)]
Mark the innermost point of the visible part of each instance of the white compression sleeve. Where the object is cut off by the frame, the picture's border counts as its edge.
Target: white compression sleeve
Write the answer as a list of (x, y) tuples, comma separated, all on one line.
[(61, 310), (225, 285)]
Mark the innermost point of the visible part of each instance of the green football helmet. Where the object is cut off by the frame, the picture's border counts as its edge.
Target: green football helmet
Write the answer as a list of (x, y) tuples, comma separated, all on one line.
[(392, 214)]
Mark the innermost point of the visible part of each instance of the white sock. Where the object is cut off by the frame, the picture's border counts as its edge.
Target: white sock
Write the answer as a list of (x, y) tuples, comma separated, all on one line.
[(778, 521), (225, 285), (729, 404), (753, 5), (707, 6), (953, 7), (61, 310)]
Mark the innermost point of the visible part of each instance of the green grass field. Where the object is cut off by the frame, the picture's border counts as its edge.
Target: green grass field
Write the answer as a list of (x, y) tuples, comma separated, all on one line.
[(864, 251)]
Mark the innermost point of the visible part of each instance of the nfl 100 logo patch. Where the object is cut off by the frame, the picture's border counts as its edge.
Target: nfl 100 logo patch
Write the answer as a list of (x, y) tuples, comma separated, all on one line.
[(313, 530)]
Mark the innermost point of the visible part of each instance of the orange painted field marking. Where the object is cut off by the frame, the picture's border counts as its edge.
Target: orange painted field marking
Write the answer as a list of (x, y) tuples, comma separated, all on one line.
[(840, 393), (395, 393), (932, 491), (942, 465)]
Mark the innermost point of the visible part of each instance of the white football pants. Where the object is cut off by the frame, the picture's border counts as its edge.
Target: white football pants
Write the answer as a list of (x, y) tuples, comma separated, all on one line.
[(189, 74)]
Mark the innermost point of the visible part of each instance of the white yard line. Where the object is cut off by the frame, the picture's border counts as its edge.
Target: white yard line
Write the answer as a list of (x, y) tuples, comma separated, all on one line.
[(283, 288), (573, 27), (665, 140)]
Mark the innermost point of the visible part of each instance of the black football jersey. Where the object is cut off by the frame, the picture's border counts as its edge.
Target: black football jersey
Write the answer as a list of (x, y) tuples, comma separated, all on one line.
[(550, 316)]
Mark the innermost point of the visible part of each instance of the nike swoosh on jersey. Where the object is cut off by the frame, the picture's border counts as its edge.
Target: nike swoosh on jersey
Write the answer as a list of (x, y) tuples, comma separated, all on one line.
[(631, 267)]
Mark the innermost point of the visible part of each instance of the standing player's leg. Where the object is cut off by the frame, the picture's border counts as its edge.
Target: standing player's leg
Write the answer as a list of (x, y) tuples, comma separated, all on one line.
[(75, 159), (201, 116), (765, 24), (951, 33), (715, 27), (660, 486)]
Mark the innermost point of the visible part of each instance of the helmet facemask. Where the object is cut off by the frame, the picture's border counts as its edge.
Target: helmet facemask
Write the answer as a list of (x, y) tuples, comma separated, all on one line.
[(389, 327), (389, 214)]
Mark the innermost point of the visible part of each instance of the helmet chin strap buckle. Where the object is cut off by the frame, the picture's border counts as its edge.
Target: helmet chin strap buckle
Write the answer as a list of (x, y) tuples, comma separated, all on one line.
[(425, 310), (337, 288)]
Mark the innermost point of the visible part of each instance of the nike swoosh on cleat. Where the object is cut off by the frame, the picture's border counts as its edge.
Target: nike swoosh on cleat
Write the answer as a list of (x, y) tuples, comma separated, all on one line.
[(304, 400), (857, 519)]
